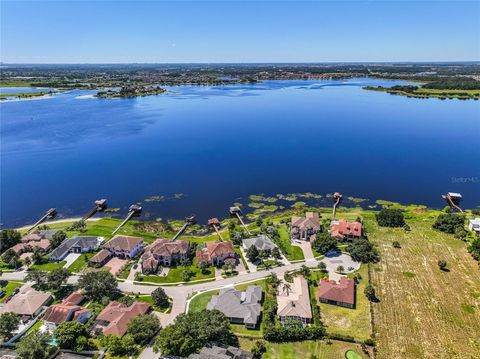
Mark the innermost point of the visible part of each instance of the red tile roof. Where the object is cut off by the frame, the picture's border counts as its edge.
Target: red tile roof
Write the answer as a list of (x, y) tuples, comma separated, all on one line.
[(118, 315), (215, 249), (346, 229), (343, 292)]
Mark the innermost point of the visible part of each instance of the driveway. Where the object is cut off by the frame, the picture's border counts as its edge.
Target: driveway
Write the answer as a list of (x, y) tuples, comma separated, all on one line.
[(306, 248), (72, 257), (335, 259)]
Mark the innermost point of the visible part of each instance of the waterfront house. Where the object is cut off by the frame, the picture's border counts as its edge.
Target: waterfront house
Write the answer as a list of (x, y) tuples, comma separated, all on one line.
[(114, 318), (217, 253), (293, 303), (220, 351), (344, 230), (261, 242), (99, 259), (69, 309), (27, 303), (305, 228), (40, 239), (474, 225), (239, 307), (124, 246), (341, 293), (75, 244), (164, 252)]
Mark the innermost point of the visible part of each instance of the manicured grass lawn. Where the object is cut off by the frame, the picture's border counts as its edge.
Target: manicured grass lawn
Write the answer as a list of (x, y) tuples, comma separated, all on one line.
[(81, 262), (350, 354), (8, 289), (4, 266), (174, 275), (345, 321), (200, 301), (123, 274), (47, 265), (292, 253), (36, 327), (304, 350)]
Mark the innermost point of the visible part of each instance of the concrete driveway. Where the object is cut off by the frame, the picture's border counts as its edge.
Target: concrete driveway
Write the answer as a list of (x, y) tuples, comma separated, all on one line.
[(72, 257), (335, 259)]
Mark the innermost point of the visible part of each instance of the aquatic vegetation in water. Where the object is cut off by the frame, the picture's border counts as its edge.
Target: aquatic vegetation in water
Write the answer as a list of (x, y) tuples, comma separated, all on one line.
[(256, 205), (299, 204), (111, 210), (357, 200), (154, 199), (309, 195), (289, 197), (260, 198), (178, 195)]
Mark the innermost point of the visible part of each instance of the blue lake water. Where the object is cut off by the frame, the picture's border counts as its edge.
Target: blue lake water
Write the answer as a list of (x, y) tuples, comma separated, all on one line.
[(218, 144)]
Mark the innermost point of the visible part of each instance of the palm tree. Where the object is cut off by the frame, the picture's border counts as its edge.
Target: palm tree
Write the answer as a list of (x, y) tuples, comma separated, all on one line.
[(287, 287)]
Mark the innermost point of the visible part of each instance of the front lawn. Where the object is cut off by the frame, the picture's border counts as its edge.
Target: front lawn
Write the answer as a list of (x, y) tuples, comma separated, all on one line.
[(200, 302), (174, 275), (345, 321), (80, 263), (8, 289), (293, 253), (47, 265)]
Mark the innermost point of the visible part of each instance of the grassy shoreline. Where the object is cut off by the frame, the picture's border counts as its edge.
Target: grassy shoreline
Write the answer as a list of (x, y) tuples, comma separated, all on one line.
[(430, 93)]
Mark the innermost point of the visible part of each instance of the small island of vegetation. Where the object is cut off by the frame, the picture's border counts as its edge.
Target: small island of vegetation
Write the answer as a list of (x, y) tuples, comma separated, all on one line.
[(131, 91), (24, 95), (443, 88)]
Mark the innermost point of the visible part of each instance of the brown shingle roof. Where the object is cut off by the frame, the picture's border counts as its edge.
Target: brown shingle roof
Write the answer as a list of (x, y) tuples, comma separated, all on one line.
[(296, 301), (58, 313), (123, 243), (100, 257), (310, 221), (167, 247), (26, 302), (344, 291), (118, 315)]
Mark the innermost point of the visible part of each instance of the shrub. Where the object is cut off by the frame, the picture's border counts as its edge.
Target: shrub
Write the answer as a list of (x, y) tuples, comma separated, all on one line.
[(396, 244), (324, 243), (390, 217), (361, 250), (442, 264), (448, 222)]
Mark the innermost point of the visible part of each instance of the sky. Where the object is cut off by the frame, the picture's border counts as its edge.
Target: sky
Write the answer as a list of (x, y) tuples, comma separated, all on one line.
[(238, 31)]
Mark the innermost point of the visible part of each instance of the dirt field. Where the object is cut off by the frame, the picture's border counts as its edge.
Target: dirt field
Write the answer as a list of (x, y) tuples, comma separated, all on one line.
[(424, 312)]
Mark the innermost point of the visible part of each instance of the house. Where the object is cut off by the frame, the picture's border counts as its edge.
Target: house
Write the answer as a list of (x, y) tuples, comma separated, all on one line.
[(239, 307), (75, 244), (341, 293), (99, 259), (65, 311), (305, 228), (164, 252), (124, 246), (40, 239), (344, 230), (220, 351), (293, 303), (474, 225), (113, 320), (262, 243), (27, 303), (217, 253)]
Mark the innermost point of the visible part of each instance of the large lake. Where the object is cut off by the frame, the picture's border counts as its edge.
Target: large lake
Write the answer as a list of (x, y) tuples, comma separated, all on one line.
[(216, 145)]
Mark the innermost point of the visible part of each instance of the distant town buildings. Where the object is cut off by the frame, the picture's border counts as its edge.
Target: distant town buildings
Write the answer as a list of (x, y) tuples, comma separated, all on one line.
[(305, 228), (293, 302), (239, 307), (341, 293)]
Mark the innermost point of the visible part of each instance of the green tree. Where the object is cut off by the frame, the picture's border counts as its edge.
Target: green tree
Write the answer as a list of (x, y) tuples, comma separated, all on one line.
[(9, 322), (37, 257), (322, 266), (361, 250), (57, 277), (11, 258), (448, 222), (98, 284), (122, 346), (143, 328), (324, 243), (460, 233), (58, 238), (396, 244), (340, 269), (442, 264), (8, 238), (203, 266), (474, 249), (370, 293), (34, 346), (305, 271), (390, 217), (252, 254), (186, 275), (258, 349), (67, 333), (276, 253), (160, 298), (38, 277), (192, 331)]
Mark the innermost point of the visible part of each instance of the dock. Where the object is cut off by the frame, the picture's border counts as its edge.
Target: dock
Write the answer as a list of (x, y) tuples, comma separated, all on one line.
[(50, 214), (133, 211), (237, 212), (100, 206), (337, 198), (188, 222), (215, 224), (453, 199)]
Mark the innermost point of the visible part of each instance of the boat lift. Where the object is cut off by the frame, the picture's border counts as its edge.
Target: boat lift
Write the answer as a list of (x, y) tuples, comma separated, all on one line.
[(215, 224), (51, 213), (453, 199), (188, 222), (133, 211), (337, 198), (100, 206), (237, 212)]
